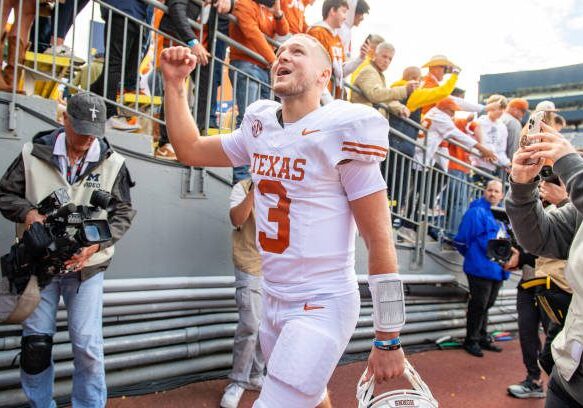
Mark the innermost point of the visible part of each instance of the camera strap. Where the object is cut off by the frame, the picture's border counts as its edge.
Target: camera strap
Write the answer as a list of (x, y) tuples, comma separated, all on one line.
[(77, 166)]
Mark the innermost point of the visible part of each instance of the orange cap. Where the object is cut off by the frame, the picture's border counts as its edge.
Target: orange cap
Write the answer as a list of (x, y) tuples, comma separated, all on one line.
[(448, 103), (518, 103)]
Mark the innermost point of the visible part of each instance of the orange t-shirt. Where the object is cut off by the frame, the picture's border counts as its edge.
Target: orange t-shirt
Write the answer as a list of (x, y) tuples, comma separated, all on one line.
[(294, 14), (254, 22), (458, 152), (333, 44)]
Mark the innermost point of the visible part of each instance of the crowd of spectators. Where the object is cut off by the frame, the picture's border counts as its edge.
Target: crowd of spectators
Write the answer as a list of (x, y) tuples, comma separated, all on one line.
[(472, 144)]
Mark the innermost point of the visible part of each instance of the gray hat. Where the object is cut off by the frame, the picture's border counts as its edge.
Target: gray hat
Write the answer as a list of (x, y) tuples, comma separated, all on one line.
[(87, 114)]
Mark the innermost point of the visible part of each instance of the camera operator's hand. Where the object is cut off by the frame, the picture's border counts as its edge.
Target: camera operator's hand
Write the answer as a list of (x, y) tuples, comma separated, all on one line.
[(33, 216), (521, 172), (78, 261), (513, 261), (552, 193)]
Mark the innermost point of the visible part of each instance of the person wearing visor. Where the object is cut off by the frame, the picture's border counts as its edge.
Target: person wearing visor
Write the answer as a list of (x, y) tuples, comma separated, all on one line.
[(78, 159)]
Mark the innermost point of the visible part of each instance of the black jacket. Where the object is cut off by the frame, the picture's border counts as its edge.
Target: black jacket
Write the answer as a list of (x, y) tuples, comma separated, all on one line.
[(14, 206)]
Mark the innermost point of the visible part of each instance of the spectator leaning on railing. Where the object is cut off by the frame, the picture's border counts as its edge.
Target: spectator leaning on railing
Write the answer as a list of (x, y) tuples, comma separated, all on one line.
[(357, 9), (371, 82), (437, 66), (294, 11), (556, 234), (334, 14), (117, 55), (512, 118), (175, 23), (494, 137)]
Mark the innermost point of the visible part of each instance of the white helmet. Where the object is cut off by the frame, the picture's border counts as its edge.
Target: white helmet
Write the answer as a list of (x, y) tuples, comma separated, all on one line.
[(419, 397)]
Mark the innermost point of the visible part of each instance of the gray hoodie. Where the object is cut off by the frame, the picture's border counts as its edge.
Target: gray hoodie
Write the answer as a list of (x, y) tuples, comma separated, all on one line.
[(557, 234)]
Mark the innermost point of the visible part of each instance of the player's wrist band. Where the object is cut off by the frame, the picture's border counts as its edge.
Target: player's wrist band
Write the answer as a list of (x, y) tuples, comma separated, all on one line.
[(192, 42), (388, 302), (388, 345)]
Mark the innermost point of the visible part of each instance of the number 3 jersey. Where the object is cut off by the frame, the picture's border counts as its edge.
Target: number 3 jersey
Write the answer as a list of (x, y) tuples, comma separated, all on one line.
[(305, 228)]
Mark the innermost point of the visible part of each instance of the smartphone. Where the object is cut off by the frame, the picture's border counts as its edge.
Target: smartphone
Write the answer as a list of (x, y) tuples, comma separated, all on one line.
[(533, 127)]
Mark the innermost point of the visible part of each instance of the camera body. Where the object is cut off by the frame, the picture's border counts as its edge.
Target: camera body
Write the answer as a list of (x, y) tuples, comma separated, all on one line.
[(44, 248), (499, 250)]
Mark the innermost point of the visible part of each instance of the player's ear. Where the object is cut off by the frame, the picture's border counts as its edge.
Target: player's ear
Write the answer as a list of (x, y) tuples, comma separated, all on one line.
[(324, 76)]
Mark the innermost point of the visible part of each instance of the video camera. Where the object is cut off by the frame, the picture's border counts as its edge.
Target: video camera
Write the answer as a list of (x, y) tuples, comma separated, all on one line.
[(499, 250), (44, 248)]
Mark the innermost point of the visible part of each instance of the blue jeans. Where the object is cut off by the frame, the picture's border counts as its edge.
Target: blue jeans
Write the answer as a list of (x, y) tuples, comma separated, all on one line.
[(247, 91), (248, 362), (458, 192), (84, 303)]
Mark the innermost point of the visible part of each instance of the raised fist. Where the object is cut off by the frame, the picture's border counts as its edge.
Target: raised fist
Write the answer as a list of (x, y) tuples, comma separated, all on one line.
[(176, 63)]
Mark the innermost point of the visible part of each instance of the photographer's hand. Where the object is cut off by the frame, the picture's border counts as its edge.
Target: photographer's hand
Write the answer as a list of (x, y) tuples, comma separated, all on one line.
[(78, 261), (552, 193), (549, 145), (524, 173), (33, 216), (513, 261)]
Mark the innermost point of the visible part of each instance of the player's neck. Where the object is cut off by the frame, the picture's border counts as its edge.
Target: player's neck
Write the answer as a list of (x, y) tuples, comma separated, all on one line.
[(293, 109)]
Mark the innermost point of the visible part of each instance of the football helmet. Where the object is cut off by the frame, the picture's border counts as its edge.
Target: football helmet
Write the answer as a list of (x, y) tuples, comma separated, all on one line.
[(419, 397)]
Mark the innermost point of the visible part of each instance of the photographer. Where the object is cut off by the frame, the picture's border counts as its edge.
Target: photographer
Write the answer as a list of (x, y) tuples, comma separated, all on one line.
[(78, 159), (556, 234), (485, 277)]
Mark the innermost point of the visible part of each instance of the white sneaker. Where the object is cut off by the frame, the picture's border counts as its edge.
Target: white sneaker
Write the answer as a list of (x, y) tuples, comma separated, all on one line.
[(232, 396), (121, 123)]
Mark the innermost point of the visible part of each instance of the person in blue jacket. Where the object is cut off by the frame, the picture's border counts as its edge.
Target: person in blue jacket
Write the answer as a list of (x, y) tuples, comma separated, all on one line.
[(485, 277)]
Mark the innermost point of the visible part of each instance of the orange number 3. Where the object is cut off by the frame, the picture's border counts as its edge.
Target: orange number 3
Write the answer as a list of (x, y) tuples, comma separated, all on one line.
[(279, 214)]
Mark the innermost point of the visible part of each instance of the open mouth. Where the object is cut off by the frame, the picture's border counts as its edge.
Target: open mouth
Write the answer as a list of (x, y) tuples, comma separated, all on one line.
[(282, 71)]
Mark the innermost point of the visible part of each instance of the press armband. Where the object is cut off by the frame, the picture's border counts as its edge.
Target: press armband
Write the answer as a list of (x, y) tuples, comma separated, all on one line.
[(388, 302)]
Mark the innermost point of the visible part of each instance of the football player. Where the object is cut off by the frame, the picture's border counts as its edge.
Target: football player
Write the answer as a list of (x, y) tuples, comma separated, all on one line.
[(316, 176)]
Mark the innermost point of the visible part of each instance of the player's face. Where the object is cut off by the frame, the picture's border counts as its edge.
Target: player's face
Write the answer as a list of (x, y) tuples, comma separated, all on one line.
[(296, 68)]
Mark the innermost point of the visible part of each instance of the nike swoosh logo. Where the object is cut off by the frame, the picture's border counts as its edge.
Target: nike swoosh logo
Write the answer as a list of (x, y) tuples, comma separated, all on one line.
[(306, 132), (311, 307)]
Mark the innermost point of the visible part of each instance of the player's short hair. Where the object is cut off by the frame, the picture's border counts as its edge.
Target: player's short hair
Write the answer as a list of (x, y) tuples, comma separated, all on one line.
[(362, 7), (323, 53), (332, 4), (501, 99), (385, 46)]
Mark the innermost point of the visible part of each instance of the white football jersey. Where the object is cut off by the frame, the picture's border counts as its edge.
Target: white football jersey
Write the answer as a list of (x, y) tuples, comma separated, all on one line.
[(305, 228)]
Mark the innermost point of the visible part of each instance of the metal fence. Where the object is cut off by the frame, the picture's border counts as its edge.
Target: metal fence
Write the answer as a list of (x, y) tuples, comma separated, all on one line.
[(423, 198)]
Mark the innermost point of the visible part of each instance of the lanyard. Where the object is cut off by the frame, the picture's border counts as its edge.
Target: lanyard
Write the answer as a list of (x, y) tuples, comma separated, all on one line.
[(72, 176)]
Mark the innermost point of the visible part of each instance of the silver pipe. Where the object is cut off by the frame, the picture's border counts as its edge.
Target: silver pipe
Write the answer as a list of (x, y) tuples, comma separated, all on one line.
[(124, 298), (134, 376)]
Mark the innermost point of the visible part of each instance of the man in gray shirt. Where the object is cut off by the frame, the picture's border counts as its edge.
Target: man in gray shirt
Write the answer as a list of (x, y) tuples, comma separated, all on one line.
[(556, 234), (515, 111)]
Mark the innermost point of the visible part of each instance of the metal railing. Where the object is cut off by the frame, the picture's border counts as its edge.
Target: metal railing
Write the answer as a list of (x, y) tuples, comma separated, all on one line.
[(74, 74), (425, 198)]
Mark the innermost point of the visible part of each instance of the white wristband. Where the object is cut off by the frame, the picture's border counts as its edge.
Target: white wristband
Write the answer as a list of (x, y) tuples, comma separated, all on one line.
[(388, 302)]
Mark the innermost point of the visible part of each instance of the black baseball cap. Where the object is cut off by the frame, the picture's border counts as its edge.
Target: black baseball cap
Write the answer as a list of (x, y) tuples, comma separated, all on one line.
[(87, 114)]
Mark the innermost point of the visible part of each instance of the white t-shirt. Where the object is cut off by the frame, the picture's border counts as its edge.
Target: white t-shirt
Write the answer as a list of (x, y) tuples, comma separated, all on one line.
[(305, 228), (494, 137), (440, 126)]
